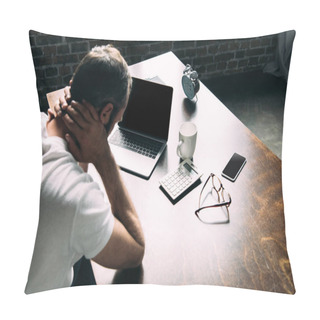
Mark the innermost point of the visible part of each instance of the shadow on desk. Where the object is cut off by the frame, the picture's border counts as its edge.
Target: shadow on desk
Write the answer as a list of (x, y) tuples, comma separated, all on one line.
[(189, 107)]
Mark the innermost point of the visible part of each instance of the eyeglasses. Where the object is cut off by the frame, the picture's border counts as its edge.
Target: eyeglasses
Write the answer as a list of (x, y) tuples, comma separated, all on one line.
[(214, 204)]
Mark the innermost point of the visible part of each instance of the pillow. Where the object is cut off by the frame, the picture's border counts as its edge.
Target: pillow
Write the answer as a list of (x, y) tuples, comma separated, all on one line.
[(247, 76)]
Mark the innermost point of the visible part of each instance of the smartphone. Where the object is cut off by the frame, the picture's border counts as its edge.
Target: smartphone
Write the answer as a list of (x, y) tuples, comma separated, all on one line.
[(234, 166)]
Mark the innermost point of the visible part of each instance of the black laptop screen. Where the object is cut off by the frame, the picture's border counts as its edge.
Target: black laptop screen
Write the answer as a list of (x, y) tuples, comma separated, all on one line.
[(148, 109)]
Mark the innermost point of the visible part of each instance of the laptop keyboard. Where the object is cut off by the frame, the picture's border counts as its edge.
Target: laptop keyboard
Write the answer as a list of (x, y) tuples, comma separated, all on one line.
[(139, 144)]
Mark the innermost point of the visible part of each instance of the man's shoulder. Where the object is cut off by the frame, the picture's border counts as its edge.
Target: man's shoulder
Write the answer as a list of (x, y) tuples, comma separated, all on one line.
[(68, 185), (61, 170)]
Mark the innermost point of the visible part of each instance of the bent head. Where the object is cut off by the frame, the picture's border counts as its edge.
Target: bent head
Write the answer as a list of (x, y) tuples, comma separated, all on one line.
[(103, 79)]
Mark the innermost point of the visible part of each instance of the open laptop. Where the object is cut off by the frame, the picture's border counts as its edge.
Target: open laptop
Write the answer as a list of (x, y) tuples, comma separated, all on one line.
[(140, 138)]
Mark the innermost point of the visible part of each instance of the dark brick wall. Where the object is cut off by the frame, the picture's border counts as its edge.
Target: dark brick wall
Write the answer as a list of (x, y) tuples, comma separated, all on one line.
[(55, 58)]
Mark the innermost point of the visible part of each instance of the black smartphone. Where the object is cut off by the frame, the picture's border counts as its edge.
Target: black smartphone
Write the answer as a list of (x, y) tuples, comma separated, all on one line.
[(234, 166)]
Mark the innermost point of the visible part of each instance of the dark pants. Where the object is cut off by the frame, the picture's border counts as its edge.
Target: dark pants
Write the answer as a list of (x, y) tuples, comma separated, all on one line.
[(83, 273)]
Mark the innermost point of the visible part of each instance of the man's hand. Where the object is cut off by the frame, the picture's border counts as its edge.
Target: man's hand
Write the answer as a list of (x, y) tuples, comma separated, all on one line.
[(61, 105), (87, 140)]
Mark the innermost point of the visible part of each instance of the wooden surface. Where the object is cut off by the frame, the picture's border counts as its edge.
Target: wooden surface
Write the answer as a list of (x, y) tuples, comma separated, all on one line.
[(249, 252)]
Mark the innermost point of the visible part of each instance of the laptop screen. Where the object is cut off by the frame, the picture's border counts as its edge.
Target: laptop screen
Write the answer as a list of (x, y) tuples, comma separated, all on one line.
[(148, 109)]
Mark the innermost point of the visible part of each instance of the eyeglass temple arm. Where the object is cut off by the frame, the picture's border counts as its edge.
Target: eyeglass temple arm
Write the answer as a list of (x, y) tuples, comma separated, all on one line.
[(221, 204), (210, 176)]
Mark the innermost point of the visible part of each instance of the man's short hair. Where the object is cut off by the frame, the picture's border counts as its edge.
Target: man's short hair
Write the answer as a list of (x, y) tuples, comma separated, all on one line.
[(102, 77)]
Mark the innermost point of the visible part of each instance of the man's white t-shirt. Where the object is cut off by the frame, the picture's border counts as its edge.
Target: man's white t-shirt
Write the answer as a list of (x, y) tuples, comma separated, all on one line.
[(74, 219)]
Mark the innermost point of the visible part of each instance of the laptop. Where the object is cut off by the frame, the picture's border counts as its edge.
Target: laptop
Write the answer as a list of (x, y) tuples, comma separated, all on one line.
[(140, 138)]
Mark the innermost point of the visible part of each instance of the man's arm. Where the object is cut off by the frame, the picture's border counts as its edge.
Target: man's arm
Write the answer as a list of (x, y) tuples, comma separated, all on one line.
[(87, 142), (127, 230), (58, 103)]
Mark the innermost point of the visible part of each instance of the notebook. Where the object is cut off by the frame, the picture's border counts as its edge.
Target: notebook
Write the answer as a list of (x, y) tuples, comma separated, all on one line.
[(141, 137)]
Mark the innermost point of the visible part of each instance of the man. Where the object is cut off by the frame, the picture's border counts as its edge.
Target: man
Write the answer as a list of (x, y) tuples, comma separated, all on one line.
[(75, 220)]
